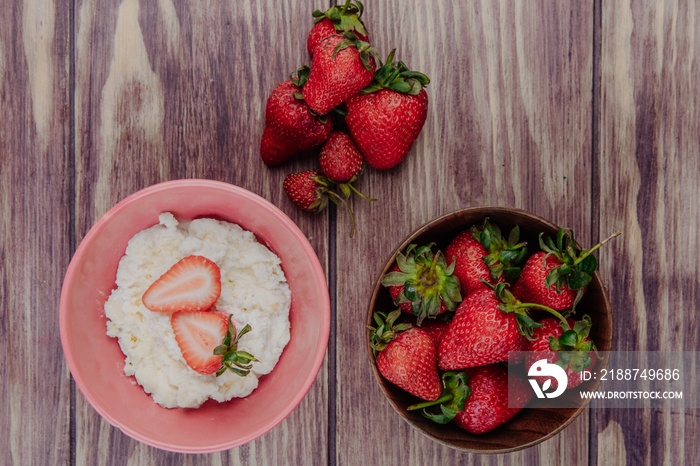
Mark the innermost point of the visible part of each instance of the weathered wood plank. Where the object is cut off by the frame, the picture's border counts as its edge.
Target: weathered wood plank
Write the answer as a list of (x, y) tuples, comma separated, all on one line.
[(35, 241), (650, 152), (509, 124), (168, 90)]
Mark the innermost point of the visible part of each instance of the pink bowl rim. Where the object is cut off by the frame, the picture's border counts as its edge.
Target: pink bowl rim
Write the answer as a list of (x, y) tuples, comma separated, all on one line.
[(319, 275)]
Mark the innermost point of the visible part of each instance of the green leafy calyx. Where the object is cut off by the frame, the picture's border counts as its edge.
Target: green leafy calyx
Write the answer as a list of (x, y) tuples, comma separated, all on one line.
[(397, 77), (345, 18), (427, 280), (386, 329), (351, 40), (574, 345), (455, 392), (238, 362), (504, 254), (576, 265)]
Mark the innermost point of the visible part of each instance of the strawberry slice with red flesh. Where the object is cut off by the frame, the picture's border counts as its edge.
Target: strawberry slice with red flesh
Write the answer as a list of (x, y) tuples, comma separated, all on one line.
[(209, 343), (192, 284), (198, 334)]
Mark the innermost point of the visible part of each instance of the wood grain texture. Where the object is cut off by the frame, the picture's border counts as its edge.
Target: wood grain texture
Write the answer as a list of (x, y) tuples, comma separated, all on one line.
[(650, 111), (164, 90), (99, 99), (34, 238), (509, 124)]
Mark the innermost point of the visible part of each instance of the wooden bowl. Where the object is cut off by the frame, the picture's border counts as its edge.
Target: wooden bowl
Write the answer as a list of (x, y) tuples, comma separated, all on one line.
[(531, 425)]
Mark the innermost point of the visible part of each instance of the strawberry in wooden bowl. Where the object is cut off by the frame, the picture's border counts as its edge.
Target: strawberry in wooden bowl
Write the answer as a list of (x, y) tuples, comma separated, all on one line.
[(181, 313), (464, 382)]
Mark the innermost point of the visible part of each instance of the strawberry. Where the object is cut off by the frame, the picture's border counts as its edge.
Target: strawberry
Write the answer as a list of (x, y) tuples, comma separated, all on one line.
[(531, 286), (483, 331), (486, 408), (340, 159), (307, 190), (192, 284), (310, 192), (408, 362), (341, 67), (197, 334), (482, 254), (206, 343), (422, 283), (387, 116), (436, 329), (342, 163), (567, 345), (557, 276), (290, 126), (335, 20), (405, 356)]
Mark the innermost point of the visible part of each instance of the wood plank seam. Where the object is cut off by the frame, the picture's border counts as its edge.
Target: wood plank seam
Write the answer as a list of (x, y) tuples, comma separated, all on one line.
[(72, 429), (595, 181), (332, 347)]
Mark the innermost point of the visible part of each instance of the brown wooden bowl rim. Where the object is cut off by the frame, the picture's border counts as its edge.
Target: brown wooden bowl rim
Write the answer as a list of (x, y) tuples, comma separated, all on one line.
[(483, 211)]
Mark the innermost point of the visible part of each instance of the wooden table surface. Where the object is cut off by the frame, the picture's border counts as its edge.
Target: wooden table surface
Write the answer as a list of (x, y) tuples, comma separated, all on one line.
[(584, 112)]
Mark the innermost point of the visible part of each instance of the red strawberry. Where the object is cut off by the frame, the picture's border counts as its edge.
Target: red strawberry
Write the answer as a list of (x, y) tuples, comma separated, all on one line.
[(422, 283), (409, 362), (206, 343), (342, 163), (310, 192), (192, 284), (481, 253), (290, 126), (482, 332), (531, 286), (386, 118), (340, 68), (468, 255), (335, 20), (340, 159), (197, 334), (487, 405), (554, 340), (307, 190), (436, 329), (557, 276)]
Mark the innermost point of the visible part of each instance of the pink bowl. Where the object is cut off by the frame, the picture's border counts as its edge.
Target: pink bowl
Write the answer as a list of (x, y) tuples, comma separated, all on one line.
[(97, 363)]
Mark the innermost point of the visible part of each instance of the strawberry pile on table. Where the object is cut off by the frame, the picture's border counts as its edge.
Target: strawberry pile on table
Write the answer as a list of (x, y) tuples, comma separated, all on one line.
[(349, 104), (459, 313)]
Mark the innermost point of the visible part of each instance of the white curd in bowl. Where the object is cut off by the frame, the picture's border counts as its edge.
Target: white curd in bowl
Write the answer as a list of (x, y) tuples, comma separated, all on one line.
[(254, 291)]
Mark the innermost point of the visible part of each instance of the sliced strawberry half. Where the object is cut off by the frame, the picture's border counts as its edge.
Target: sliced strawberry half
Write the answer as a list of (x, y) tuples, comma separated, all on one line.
[(198, 334), (209, 343), (192, 284)]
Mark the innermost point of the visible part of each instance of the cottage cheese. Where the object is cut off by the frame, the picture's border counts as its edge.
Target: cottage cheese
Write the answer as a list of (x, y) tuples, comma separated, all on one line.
[(254, 291)]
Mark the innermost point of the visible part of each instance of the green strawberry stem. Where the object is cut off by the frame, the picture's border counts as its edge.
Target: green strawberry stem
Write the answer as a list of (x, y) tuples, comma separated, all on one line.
[(526, 306), (451, 401), (576, 266), (427, 404), (335, 197), (594, 248), (324, 191), (354, 189)]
